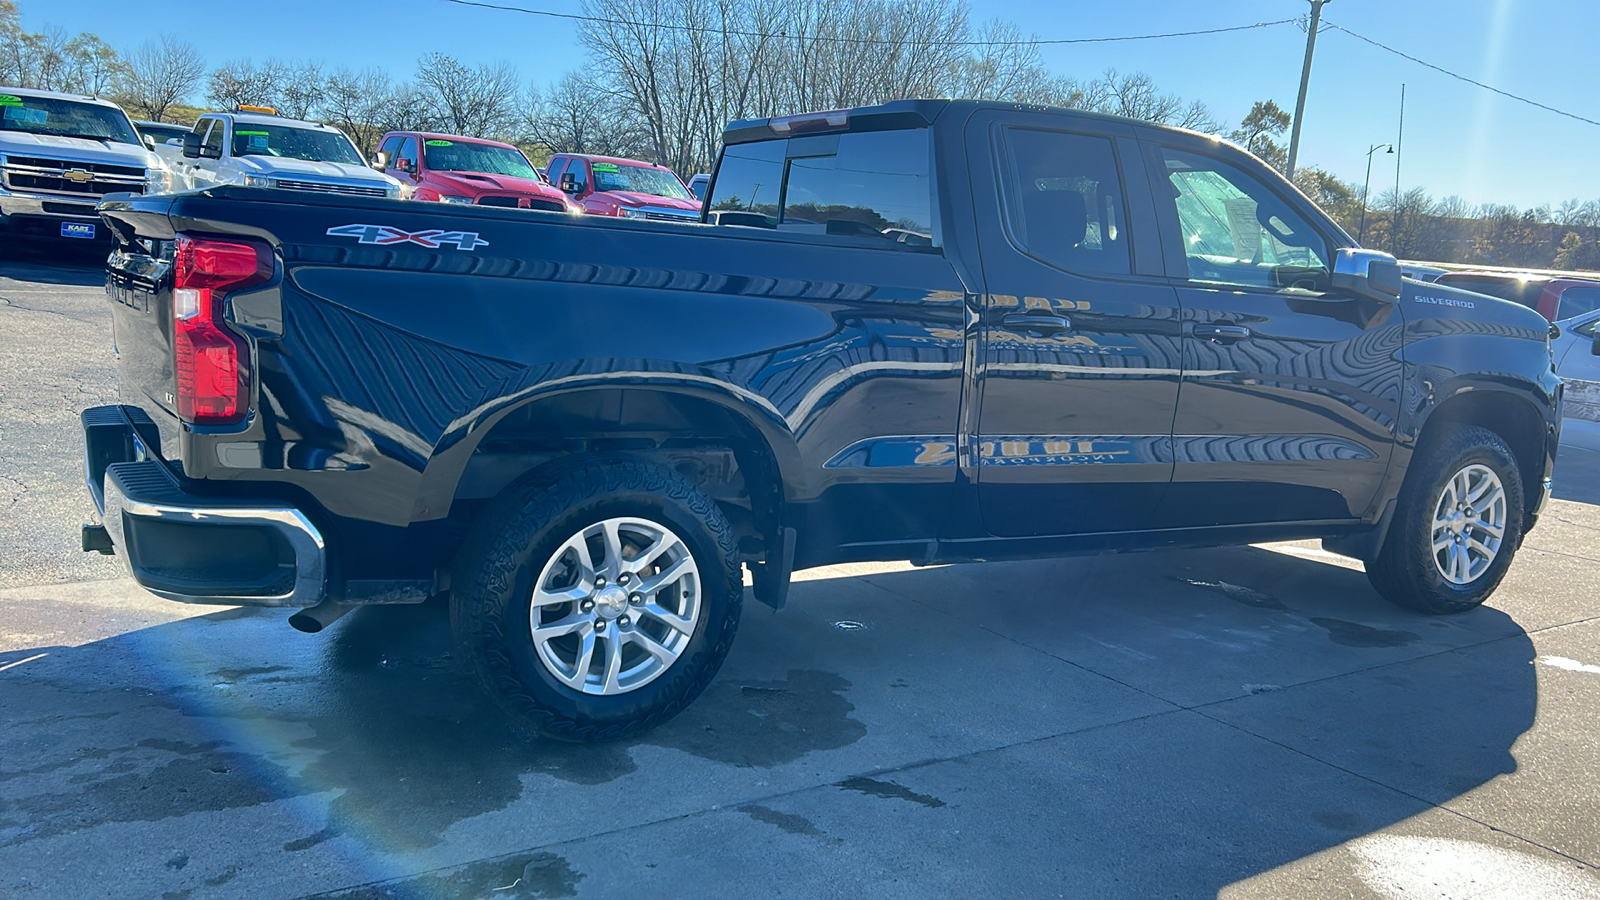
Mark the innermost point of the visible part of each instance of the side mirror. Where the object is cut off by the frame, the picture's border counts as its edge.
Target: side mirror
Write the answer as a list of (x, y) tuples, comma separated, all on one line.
[(150, 141), (191, 145), (380, 161), (1367, 273), (405, 165), (1594, 348), (569, 183)]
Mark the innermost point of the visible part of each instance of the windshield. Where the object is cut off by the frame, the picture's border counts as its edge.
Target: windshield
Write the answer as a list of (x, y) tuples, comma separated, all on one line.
[(461, 156), (314, 145), (638, 180), (65, 118)]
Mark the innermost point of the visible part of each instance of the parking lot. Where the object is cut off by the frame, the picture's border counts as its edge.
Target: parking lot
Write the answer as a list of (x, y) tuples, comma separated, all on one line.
[(1240, 722)]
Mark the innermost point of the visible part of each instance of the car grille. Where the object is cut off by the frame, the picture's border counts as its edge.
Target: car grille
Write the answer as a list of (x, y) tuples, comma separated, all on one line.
[(546, 205), (497, 201), (321, 188), (67, 209), (661, 214), (39, 162), (40, 174)]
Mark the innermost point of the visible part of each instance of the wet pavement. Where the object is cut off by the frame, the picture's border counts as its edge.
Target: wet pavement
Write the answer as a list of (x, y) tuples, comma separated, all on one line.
[(1246, 722)]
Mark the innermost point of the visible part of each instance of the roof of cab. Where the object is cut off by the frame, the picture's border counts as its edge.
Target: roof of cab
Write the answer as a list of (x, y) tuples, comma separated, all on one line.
[(57, 95)]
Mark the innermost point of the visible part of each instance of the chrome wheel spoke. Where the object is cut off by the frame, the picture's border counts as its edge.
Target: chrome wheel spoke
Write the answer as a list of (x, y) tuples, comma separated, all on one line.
[(648, 556), (653, 647), (653, 585), (1490, 528), (581, 662), (680, 624), (608, 683), (578, 621), (572, 594), (613, 542)]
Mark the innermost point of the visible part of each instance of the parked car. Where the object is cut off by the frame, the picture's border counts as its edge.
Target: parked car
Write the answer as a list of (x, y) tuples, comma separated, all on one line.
[(1558, 299), (1119, 336), (623, 188), (156, 134), (256, 148), (698, 185), (59, 155), (450, 168), (1577, 352)]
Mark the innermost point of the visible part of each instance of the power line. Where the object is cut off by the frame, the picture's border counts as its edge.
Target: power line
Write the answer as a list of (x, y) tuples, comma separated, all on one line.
[(1458, 77), (706, 29)]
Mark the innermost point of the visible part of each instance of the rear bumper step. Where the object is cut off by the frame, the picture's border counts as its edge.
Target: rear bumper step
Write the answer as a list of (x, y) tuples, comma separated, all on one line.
[(191, 548)]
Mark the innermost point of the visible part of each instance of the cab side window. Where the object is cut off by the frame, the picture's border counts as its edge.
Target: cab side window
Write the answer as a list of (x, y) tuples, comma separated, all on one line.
[(1576, 301), (553, 173), (408, 153), (391, 150), (1235, 230), (1063, 200), (874, 185), (213, 141)]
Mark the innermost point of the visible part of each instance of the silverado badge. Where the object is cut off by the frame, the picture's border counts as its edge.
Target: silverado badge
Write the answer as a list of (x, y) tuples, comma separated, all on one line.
[(386, 235)]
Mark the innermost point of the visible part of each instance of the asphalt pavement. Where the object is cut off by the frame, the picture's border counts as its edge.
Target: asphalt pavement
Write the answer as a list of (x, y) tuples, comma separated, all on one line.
[(1242, 722)]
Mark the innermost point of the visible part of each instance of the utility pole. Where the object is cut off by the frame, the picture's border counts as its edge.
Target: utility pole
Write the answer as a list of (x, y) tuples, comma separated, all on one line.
[(1399, 143), (1305, 82)]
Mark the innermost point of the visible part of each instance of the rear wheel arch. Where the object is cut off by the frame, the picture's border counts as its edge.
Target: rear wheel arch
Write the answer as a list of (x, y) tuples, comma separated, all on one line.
[(694, 432)]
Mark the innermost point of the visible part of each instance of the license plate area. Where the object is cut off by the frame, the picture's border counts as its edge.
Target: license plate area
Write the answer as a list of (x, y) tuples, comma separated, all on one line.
[(81, 230)]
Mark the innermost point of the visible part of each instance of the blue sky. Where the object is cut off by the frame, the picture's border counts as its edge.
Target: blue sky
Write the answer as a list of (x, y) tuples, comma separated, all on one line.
[(1459, 139)]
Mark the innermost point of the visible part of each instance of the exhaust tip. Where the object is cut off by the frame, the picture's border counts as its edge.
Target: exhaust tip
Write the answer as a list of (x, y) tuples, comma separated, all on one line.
[(314, 619)]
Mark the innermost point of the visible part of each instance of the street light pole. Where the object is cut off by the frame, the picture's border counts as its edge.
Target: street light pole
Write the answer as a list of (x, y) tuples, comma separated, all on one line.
[(1362, 236), (1305, 82)]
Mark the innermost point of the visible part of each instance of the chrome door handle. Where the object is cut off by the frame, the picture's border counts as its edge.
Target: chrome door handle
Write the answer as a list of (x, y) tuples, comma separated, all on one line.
[(1222, 334), (1040, 322)]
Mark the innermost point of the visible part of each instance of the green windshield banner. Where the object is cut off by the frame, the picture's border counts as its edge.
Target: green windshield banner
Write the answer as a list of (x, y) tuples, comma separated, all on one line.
[(605, 167), (439, 144)]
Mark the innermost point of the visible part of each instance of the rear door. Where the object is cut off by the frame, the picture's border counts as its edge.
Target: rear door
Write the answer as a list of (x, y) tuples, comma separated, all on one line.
[(1080, 359), (1290, 390)]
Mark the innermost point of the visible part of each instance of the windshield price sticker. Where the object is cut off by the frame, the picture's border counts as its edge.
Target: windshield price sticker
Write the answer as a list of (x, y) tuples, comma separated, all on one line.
[(439, 144), (9, 100)]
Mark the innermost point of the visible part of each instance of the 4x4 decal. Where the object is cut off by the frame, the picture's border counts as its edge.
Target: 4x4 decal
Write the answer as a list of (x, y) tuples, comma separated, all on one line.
[(386, 235)]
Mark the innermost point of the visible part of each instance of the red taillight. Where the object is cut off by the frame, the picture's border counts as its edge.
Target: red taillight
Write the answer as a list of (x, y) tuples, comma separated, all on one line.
[(210, 361)]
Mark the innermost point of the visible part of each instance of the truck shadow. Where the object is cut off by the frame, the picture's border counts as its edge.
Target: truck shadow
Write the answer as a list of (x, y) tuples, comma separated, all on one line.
[(53, 263), (232, 710)]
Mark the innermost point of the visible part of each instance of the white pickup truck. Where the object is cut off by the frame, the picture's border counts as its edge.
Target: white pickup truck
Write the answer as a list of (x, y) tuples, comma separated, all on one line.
[(260, 149), (59, 155)]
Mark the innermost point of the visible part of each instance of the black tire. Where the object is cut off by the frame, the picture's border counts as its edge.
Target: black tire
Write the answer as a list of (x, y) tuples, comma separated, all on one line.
[(515, 538), (1406, 572)]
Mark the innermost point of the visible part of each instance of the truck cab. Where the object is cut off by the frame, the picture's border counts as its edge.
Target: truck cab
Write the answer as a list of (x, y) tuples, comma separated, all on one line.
[(623, 188), (59, 155), (449, 168), (255, 147)]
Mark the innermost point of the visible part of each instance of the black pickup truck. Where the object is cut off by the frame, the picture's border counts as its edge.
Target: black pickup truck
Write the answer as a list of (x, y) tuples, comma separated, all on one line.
[(930, 331)]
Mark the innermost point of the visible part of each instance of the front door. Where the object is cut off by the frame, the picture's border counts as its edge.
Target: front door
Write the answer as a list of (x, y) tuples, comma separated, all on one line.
[(1080, 359), (1290, 389)]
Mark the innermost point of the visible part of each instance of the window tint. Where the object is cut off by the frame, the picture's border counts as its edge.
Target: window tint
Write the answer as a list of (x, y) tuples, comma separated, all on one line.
[(553, 171), (1064, 200), (213, 142), (874, 184), (1575, 301), (749, 180), (391, 147), (200, 126), (1235, 230)]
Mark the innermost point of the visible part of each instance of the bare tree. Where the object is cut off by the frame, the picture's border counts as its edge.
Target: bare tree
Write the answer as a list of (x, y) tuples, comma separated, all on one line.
[(240, 82), (478, 102), (576, 115), (301, 89), (359, 103), (161, 74)]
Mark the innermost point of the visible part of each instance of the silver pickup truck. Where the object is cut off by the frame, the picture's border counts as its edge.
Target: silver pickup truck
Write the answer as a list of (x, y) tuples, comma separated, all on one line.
[(59, 155), (258, 148)]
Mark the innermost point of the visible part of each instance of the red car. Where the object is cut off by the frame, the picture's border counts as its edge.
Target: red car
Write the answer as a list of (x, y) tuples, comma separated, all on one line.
[(453, 169), (625, 188), (1557, 299)]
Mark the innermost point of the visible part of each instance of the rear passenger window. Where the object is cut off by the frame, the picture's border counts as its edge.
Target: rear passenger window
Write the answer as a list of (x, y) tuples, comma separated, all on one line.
[(1064, 202), (872, 185), (1577, 301)]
